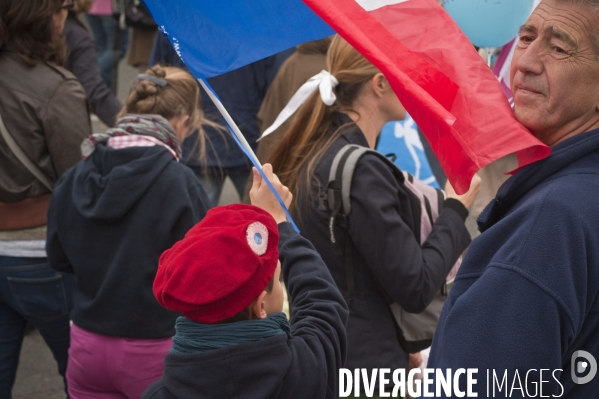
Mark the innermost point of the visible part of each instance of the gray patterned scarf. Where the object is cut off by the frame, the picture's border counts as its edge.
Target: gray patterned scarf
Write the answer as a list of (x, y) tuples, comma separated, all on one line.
[(147, 125)]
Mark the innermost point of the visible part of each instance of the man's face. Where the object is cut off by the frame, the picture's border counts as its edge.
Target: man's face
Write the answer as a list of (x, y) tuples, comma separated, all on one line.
[(555, 71)]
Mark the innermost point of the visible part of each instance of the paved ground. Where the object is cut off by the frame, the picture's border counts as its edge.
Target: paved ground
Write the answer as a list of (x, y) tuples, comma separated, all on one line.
[(37, 376)]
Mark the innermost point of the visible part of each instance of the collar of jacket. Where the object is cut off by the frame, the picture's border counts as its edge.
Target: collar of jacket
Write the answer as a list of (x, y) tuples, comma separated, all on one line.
[(72, 16), (353, 134), (530, 176)]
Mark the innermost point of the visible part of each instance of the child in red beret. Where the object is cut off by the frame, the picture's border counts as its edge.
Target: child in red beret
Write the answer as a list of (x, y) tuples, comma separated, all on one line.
[(233, 340)]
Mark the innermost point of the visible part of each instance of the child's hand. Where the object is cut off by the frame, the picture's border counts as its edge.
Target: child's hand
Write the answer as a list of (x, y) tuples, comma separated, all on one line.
[(262, 197)]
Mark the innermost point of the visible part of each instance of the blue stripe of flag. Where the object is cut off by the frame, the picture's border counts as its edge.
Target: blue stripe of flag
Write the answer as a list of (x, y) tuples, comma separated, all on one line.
[(217, 36)]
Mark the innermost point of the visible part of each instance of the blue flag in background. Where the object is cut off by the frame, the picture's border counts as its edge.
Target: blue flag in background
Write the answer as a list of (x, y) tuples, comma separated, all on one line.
[(402, 139), (214, 37)]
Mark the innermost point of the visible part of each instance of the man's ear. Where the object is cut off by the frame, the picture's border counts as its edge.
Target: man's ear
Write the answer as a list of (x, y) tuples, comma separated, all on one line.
[(258, 307)]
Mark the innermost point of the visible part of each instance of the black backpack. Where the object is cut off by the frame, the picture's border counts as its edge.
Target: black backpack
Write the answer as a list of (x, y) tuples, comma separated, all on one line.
[(415, 330)]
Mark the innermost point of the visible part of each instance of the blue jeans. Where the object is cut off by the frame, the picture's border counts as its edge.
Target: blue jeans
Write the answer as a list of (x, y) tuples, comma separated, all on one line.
[(212, 181), (104, 30), (31, 292)]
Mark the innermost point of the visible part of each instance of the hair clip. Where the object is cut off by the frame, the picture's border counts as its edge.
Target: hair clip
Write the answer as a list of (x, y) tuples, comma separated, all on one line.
[(154, 79)]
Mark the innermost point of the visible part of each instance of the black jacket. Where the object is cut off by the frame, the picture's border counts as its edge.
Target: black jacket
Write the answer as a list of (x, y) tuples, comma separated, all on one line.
[(304, 366), (383, 245), (83, 63), (110, 219)]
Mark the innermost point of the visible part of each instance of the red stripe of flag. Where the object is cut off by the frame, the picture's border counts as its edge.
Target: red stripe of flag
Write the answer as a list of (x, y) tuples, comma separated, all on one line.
[(440, 79)]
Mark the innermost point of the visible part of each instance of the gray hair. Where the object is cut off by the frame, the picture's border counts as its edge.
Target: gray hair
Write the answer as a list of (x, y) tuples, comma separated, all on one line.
[(591, 3)]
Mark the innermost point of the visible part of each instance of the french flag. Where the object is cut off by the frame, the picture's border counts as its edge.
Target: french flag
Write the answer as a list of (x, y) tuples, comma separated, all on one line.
[(433, 68)]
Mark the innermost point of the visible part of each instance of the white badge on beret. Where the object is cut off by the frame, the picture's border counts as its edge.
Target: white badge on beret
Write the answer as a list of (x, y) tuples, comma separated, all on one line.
[(257, 237)]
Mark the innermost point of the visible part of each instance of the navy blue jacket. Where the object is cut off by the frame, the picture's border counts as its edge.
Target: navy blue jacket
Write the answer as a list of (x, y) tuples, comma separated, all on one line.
[(383, 248), (241, 92), (110, 218), (304, 366), (527, 294), (83, 63)]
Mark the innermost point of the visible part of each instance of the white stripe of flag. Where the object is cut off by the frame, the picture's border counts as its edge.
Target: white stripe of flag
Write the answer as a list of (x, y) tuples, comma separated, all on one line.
[(371, 5)]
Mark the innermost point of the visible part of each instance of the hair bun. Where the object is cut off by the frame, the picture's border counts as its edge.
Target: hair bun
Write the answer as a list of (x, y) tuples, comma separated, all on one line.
[(157, 71), (145, 89)]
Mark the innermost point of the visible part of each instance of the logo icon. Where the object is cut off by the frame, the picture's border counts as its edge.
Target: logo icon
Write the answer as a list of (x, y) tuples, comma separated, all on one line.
[(581, 362), (257, 238)]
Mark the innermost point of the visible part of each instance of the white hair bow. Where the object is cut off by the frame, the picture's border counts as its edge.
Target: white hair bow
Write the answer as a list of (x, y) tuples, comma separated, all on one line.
[(324, 81)]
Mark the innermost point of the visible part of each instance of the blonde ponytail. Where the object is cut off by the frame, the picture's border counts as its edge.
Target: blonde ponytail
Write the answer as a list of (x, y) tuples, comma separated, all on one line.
[(309, 136)]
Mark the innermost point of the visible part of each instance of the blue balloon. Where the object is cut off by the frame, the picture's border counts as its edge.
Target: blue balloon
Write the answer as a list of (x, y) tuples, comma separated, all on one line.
[(489, 23)]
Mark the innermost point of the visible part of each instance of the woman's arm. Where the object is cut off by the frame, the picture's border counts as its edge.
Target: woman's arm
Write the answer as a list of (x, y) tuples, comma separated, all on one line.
[(66, 123), (409, 272)]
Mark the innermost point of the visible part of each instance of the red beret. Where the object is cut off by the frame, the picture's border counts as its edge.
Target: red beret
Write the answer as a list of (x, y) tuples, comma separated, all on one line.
[(221, 265)]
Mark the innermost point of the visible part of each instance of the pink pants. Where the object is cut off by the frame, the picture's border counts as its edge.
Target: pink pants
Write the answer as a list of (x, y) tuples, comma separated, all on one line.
[(103, 367)]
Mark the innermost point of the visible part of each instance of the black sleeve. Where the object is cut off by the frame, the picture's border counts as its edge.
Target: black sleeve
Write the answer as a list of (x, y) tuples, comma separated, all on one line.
[(84, 64), (318, 311), (198, 198), (409, 272), (186, 198), (57, 257)]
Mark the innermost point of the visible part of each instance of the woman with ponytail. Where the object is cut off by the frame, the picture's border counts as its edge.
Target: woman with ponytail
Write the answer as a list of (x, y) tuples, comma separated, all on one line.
[(110, 219), (353, 102)]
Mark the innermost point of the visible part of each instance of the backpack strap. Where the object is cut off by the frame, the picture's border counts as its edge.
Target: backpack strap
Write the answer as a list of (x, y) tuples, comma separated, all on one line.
[(341, 176), (342, 170), (335, 198), (414, 204)]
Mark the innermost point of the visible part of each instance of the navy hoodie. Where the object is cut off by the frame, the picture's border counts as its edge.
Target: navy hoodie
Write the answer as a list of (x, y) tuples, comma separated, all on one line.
[(527, 294), (110, 218), (304, 366)]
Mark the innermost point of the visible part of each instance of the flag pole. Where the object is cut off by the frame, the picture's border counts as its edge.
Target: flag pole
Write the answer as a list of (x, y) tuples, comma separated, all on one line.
[(244, 145)]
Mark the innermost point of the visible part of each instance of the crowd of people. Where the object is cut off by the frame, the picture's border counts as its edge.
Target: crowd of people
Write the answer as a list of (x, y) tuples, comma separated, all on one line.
[(113, 246)]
